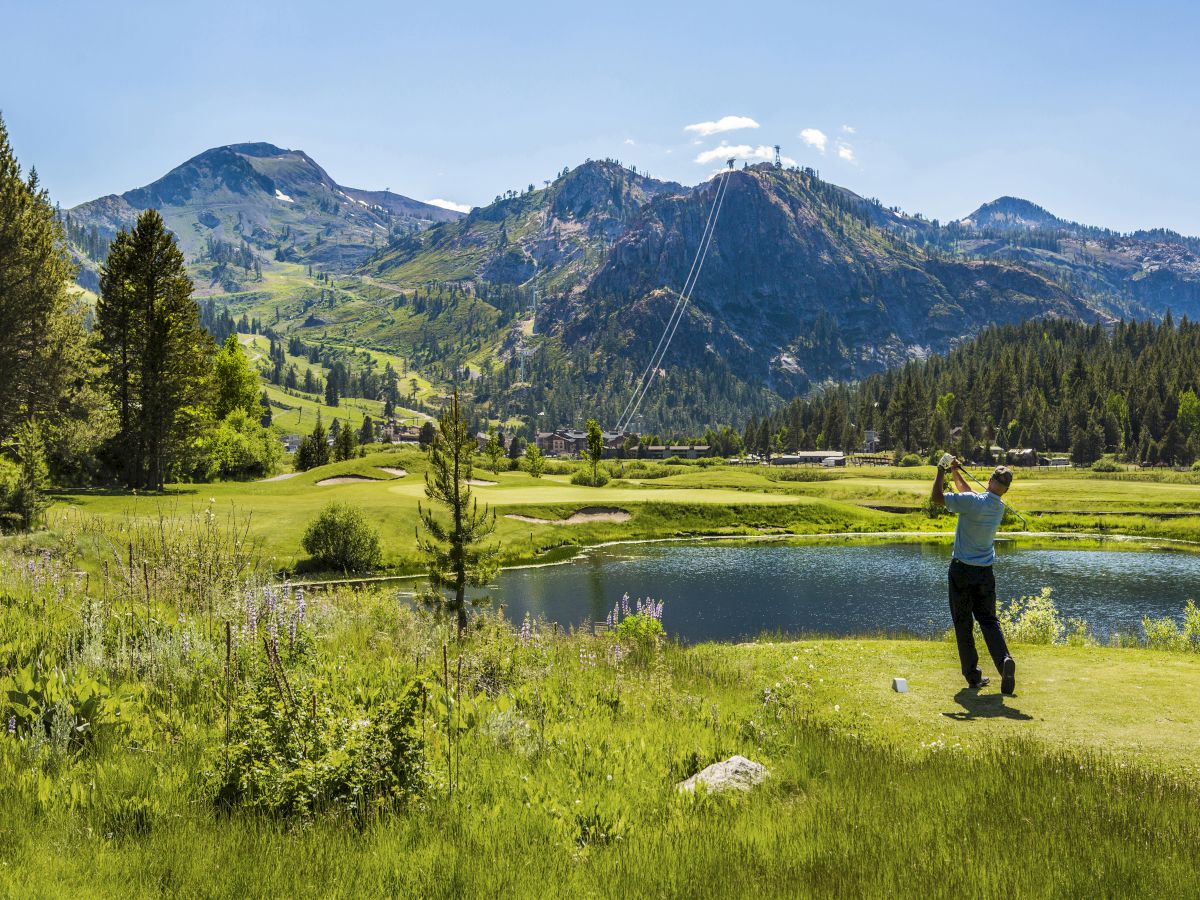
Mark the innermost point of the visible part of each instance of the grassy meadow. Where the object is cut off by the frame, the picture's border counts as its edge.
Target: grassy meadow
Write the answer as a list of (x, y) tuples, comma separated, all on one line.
[(179, 722), (548, 761)]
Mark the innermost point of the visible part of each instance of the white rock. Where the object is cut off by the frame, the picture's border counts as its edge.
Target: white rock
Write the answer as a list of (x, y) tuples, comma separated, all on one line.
[(736, 773), (900, 685)]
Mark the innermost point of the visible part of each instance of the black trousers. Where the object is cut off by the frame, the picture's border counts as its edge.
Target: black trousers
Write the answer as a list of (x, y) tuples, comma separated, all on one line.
[(973, 599)]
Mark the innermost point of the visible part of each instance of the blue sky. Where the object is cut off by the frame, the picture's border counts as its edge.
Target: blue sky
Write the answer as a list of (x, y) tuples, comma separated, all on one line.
[(1089, 109)]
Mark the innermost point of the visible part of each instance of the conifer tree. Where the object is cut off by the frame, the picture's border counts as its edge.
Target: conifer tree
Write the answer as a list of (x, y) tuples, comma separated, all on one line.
[(156, 355), (42, 338), (453, 550), (494, 451)]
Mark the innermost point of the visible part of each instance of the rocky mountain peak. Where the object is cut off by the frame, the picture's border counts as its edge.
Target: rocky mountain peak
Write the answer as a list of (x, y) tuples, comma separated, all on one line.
[(1012, 213)]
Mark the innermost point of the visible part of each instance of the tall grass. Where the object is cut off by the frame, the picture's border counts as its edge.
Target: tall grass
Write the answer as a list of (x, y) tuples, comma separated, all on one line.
[(551, 762)]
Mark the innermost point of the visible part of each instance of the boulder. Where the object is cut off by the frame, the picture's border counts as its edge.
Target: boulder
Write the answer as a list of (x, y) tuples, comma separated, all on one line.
[(736, 773)]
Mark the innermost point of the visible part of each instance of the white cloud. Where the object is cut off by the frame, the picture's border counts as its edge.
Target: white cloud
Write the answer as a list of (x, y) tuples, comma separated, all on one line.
[(845, 151), (631, 142), (814, 137), (849, 129), (742, 151), (725, 123), (450, 204)]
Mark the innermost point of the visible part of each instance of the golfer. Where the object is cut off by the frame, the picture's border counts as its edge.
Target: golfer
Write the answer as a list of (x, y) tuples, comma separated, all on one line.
[(972, 584)]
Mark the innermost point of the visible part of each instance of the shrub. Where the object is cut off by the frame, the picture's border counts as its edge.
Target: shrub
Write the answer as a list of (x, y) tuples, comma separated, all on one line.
[(642, 631), (584, 477), (1105, 465), (340, 538), (1032, 620), (909, 460), (342, 752)]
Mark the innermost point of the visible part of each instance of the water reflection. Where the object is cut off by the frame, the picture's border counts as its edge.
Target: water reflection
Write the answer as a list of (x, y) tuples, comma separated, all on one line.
[(722, 592)]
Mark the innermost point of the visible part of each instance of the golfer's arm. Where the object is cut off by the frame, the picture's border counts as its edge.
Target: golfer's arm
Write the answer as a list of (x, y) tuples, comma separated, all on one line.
[(960, 483), (938, 497)]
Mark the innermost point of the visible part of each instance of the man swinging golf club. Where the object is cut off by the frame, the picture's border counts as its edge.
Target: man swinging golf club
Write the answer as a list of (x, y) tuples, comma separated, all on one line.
[(972, 584)]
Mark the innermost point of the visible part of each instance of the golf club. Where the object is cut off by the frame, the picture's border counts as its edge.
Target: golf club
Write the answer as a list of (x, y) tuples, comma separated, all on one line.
[(945, 463)]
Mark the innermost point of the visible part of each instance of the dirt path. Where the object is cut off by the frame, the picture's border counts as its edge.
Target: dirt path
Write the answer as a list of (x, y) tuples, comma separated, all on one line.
[(284, 477)]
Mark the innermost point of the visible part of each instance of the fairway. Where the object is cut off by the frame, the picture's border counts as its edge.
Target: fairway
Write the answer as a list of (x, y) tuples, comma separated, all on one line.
[(697, 501)]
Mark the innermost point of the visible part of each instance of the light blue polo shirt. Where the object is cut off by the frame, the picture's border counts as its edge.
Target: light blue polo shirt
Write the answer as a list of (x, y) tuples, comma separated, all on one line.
[(979, 515)]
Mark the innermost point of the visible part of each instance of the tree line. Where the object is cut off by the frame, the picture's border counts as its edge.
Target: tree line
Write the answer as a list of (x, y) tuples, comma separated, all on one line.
[(1048, 386)]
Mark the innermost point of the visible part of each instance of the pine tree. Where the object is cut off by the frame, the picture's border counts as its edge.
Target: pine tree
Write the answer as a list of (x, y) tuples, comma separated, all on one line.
[(595, 448), (42, 338), (320, 446), (156, 354), (453, 551), (344, 445)]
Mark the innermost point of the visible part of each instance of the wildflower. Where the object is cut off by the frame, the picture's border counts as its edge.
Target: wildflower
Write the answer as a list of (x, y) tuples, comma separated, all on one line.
[(12, 725), (625, 605), (301, 608), (618, 653), (293, 622), (526, 630), (185, 643)]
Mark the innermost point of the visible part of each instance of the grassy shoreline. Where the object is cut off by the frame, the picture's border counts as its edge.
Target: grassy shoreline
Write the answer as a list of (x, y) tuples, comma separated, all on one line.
[(675, 502)]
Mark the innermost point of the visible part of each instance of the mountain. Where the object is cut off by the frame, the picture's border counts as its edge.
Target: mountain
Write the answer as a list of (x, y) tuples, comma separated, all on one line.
[(1012, 214), (552, 239), (247, 200), (1144, 273), (804, 282)]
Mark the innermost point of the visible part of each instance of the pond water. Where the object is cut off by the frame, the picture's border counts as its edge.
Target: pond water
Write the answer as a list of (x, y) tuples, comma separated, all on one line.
[(723, 592)]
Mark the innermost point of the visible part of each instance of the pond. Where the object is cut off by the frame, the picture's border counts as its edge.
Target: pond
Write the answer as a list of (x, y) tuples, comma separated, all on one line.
[(730, 592)]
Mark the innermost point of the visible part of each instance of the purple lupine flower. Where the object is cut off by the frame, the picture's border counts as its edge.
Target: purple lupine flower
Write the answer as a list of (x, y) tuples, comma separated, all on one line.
[(293, 621), (251, 616), (300, 606), (12, 725), (625, 605), (617, 654), (272, 618), (526, 630), (185, 643)]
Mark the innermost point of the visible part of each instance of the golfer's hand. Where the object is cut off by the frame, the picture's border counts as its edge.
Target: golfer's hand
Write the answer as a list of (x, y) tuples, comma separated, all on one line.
[(955, 465)]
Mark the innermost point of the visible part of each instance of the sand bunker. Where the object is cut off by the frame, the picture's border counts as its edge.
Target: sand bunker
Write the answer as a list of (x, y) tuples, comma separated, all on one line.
[(347, 479), (479, 482), (283, 477), (580, 517), (392, 470)]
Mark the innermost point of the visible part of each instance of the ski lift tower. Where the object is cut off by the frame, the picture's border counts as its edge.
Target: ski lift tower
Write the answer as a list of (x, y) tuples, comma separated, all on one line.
[(778, 161)]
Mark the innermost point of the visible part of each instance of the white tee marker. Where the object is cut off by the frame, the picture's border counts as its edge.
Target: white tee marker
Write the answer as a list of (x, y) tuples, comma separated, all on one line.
[(900, 685)]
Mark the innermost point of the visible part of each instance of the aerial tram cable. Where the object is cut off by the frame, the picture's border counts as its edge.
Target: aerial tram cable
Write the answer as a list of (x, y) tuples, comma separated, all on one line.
[(685, 295), (626, 416)]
